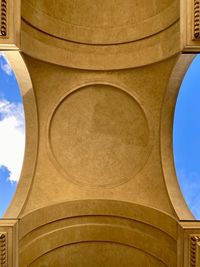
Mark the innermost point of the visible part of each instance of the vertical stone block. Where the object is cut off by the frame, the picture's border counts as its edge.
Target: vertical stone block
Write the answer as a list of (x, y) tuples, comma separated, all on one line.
[(190, 240), (190, 25), (10, 20), (8, 243), (3, 249)]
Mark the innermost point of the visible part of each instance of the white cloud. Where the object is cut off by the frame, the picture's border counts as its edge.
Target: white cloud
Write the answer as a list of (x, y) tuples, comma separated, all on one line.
[(12, 138), (5, 66)]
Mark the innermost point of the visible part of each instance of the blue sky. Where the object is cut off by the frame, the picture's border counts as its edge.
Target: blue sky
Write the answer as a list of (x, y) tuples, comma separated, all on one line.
[(12, 134), (186, 135)]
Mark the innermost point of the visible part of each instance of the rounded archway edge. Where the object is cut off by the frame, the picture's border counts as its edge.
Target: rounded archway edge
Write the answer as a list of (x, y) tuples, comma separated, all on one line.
[(166, 137), (18, 65)]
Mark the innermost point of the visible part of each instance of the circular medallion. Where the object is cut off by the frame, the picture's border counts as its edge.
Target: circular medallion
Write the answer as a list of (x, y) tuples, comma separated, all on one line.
[(99, 136)]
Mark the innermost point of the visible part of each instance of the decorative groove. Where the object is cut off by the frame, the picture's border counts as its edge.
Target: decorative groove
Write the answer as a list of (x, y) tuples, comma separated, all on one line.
[(3, 20), (193, 248), (196, 19), (3, 250)]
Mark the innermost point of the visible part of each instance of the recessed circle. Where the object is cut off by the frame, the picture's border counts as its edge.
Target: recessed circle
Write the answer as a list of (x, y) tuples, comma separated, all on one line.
[(99, 136)]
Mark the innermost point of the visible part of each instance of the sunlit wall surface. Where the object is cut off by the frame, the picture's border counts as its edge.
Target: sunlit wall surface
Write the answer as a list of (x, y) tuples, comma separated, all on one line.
[(12, 133), (186, 137)]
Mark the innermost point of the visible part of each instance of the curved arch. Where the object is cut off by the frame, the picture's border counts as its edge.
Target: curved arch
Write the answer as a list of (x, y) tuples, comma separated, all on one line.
[(124, 223), (143, 52), (166, 135), (90, 27), (18, 65)]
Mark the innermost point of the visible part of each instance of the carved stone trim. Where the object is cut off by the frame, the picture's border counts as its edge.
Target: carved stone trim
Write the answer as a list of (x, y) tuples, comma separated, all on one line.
[(3, 250), (193, 250), (196, 34), (3, 18)]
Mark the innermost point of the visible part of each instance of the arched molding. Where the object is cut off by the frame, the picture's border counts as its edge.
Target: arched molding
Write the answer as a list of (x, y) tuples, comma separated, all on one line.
[(85, 221), (142, 52), (103, 23), (31, 125), (166, 137)]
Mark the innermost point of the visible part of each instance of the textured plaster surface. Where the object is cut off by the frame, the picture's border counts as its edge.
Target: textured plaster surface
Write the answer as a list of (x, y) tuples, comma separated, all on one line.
[(98, 186)]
